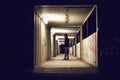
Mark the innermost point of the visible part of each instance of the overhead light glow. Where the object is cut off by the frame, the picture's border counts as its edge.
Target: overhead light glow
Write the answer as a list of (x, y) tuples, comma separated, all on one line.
[(45, 20), (60, 30), (52, 17), (57, 37)]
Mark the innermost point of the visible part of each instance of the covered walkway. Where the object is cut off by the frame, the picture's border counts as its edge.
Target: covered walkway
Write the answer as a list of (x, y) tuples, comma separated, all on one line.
[(79, 22), (51, 22)]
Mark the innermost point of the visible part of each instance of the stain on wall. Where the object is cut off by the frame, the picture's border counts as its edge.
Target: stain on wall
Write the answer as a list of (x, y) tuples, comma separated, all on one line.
[(88, 49)]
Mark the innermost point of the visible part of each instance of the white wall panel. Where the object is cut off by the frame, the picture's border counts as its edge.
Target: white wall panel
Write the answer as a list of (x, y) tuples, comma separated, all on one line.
[(70, 50), (78, 50), (88, 49), (74, 50)]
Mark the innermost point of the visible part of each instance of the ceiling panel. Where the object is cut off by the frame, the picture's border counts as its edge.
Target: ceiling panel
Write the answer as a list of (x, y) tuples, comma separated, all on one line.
[(56, 17)]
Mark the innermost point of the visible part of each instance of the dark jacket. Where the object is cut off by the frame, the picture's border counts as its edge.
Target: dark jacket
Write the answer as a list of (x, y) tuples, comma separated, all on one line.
[(66, 42)]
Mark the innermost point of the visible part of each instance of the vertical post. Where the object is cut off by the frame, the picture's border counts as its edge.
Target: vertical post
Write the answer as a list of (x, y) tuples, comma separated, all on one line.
[(80, 42), (39, 40), (72, 47), (58, 47), (75, 46), (51, 45), (96, 36), (54, 49), (34, 39)]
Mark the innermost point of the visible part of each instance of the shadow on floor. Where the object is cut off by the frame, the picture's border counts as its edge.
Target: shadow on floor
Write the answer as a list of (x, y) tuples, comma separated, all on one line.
[(57, 76)]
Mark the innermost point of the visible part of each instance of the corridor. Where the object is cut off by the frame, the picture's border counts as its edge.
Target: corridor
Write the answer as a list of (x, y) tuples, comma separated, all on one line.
[(58, 65), (79, 22), (93, 41)]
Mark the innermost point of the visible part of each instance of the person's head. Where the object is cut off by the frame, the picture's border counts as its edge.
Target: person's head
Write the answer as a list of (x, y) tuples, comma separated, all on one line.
[(65, 35)]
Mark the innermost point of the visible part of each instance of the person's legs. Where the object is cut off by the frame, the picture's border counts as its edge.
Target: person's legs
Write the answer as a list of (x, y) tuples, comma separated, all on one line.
[(67, 56), (67, 53)]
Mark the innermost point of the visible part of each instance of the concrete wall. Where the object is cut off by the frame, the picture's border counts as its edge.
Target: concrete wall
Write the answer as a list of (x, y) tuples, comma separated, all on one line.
[(41, 41), (88, 49), (78, 50), (44, 43), (37, 41)]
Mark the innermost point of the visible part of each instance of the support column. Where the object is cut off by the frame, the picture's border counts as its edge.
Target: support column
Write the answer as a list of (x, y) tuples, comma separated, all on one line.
[(54, 49), (52, 45), (58, 50), (72, 47), (58, 47), (96, 37), (37, 41), (75, 45), (37, 37), (49, 43), (80, 42), (34, 39)]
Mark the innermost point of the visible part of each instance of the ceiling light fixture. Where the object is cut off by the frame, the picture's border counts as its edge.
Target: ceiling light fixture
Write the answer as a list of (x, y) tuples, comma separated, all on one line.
[(66, 15)]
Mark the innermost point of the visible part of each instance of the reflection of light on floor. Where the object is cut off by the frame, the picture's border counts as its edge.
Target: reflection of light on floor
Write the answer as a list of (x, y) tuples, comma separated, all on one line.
[(59, 62), (58, 65)]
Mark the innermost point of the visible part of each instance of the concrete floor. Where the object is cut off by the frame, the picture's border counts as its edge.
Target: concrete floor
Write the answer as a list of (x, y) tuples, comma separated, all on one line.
[(58, 65)]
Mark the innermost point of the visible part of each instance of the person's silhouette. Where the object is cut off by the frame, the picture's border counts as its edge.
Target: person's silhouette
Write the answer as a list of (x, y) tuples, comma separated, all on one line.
[(66, 46)]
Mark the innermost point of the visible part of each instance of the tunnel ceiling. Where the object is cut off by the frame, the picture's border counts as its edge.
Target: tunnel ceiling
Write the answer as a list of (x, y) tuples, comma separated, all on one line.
[(56, 16)]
